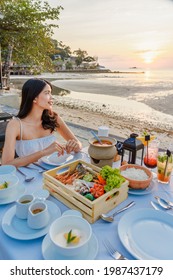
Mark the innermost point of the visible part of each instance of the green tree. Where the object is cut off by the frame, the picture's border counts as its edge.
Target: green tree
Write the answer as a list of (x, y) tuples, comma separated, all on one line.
[(63, 50), (69, 65), (25, 32), (81, 54)]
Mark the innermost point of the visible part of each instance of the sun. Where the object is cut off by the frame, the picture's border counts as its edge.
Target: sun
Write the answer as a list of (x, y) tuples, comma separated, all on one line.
[(149, 57)]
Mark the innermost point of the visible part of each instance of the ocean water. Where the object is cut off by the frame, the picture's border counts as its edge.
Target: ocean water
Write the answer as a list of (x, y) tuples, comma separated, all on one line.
[(144, 98), (153, 88)]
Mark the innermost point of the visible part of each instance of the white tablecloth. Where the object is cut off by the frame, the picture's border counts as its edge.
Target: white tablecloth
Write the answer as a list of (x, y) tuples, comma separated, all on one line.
[(16, 249)]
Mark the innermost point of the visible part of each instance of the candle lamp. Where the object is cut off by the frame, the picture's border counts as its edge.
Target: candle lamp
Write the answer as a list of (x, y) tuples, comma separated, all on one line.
[(133, 146)]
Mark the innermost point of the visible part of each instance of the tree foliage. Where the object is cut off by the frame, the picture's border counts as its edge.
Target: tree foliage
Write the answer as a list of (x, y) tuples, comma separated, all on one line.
[(62, 50), (27, 27), (81, 54)]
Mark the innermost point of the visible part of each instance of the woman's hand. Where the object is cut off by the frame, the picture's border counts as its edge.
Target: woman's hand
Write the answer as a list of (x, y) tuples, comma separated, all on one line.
[(72, 146), (55, 147)]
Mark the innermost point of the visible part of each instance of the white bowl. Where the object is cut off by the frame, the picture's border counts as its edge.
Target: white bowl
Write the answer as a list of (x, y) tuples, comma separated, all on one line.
[(7, 169), (12, 181), (72, 213), (79, 226)]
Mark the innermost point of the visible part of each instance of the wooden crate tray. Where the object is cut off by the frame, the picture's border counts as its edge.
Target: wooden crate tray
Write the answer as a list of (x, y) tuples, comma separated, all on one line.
[(91, 210)]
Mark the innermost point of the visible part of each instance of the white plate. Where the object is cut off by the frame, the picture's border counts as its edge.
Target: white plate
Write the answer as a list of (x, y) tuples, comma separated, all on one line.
[(18, 228), (50, 253), (19, 191), (56, 160), (142, 191), (147, 234)]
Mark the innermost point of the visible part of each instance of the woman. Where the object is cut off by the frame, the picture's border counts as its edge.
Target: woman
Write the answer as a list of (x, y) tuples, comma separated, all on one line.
[(30, 134)]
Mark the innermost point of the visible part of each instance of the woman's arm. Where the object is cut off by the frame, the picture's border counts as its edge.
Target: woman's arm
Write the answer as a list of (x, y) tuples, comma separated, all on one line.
[(8, 154), (73, 144), (13, 133)]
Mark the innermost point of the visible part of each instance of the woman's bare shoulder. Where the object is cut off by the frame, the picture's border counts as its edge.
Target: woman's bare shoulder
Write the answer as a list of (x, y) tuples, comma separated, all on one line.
[(13, 124)]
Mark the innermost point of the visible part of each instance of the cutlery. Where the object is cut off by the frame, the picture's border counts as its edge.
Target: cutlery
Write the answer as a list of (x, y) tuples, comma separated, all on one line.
[(96, 137), (39, 171), (110, 218), (114, 253), (163, 202), (44, 168), (154, 205), (27, 178), (158, 206), (164, 206)]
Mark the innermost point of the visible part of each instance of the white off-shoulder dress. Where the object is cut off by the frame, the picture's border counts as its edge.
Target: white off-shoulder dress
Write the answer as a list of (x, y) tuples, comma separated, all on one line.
[(28, 147)]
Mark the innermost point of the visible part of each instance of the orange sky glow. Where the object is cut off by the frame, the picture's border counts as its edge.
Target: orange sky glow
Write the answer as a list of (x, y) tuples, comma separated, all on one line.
[(122, 33)]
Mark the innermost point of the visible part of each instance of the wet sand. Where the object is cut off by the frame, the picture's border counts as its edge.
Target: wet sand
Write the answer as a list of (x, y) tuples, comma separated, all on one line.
[(121, 115), (88, 105)]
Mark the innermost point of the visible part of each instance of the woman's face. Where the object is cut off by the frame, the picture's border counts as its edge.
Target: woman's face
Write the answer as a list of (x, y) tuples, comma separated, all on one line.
[(44, 99)]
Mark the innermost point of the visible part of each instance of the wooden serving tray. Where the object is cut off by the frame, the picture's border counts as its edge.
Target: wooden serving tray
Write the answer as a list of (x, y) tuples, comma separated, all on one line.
[(91, 210)]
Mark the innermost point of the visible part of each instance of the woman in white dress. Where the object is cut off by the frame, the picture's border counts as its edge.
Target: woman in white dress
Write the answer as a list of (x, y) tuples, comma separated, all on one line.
[(31, 134)]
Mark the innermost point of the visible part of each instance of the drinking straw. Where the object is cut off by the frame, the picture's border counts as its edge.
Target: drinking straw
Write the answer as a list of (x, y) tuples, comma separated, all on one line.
[(147, 138), (168, 155)]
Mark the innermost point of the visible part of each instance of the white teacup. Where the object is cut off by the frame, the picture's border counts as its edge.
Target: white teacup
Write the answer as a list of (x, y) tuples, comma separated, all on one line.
[(22, 205), (103, 131), (38, 215)]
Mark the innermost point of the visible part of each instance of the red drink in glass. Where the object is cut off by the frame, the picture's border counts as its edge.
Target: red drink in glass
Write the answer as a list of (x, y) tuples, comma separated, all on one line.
[(151, 153)]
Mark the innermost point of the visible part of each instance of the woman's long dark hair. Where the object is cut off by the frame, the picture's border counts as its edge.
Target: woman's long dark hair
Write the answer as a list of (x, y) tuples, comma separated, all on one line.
[(30, 90)]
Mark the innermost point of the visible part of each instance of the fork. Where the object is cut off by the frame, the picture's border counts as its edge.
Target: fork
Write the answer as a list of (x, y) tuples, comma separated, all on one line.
[(39, 171), (114, 253)]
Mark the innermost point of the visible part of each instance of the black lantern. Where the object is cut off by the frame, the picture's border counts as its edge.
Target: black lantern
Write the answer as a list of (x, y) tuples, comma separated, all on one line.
[(132, 145)]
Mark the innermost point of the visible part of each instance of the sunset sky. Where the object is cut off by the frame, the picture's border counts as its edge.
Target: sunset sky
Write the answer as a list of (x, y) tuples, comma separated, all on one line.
[(122, 33)]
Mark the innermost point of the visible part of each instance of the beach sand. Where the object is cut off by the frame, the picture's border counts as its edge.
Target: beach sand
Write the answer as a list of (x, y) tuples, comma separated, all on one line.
[(85, 104), (122, 116)]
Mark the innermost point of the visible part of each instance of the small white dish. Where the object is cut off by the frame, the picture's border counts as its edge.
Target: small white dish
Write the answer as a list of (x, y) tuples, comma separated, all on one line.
[(41, 194), (18, 228), (56, 160), (49, 250), (72, 212), (18, 192)]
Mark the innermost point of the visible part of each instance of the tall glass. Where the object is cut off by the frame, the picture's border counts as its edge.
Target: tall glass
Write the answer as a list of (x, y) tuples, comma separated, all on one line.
[(151, 154), (164, 167)]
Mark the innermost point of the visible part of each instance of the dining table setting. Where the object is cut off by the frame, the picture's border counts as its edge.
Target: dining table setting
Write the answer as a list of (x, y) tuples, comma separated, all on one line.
[(130, 229)]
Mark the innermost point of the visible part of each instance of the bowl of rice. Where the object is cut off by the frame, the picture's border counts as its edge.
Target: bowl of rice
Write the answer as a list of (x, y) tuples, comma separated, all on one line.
[(139, 177)]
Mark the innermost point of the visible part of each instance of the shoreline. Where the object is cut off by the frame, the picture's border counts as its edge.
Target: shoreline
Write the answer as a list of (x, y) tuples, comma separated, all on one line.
[(120, 128), (85, 114), (121, 115)]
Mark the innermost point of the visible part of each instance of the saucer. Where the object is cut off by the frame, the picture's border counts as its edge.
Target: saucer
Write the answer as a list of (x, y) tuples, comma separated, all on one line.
[(72, 213), (41, 194), (142, 191), (19, 229), (49, 251), (19, 191)]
